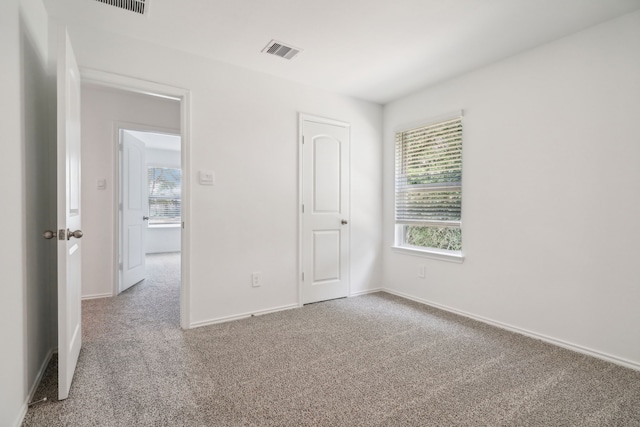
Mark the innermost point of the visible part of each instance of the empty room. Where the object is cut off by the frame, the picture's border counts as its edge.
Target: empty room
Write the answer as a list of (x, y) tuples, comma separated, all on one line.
[(337, 213)]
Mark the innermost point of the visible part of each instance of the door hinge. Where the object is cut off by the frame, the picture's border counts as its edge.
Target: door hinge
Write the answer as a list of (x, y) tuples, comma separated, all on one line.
[(303, 139), (302, 208), (303, 277), (120, 265), (120, 206)]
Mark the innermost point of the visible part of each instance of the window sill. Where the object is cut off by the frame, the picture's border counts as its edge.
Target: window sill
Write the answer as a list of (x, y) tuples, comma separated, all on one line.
[(450, 256), (164, 225)]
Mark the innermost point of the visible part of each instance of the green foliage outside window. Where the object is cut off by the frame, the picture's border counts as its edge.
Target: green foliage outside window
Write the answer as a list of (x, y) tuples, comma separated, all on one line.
[(434, 237)]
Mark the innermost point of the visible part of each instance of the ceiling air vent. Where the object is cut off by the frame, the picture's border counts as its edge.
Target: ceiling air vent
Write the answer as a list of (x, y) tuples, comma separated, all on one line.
[(136, 6), (281, 50)]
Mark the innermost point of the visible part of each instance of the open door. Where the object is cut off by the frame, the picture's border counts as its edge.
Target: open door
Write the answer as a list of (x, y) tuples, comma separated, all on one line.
[(68, 214), (134, 210)]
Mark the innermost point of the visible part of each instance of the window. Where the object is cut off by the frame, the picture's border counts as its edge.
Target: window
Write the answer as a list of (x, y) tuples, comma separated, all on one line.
[(429, 187), (165, 188)]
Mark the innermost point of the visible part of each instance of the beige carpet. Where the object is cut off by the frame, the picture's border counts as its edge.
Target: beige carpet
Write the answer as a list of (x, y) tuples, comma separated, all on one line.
[(374, 360)]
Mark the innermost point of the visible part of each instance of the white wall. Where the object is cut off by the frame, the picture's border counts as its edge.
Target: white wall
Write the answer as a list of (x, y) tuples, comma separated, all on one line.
[(162, 239), (12, 311), (245, 129), (24, 115), (102, 108), (39, 201), (551, 188)]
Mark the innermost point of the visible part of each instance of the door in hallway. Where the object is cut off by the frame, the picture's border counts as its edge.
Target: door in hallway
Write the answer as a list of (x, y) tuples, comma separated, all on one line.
[(135, 210)]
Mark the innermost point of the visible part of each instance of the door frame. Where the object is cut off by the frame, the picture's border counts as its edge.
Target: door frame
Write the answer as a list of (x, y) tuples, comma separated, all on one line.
[(302, 117), (131, 84), (119, 126)]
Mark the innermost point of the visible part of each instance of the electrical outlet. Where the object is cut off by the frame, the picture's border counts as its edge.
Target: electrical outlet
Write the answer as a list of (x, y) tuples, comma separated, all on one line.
[(421, 271), (256, 279)]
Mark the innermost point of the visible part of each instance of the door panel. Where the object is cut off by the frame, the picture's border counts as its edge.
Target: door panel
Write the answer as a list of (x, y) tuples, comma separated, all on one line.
[(68, 212), (326, 170), (325, 198), (326, 256), (134, 209)]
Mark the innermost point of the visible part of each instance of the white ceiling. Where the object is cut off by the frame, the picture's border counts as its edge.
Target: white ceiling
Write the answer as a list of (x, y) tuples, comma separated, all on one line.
[(377, 50), (159, 141)]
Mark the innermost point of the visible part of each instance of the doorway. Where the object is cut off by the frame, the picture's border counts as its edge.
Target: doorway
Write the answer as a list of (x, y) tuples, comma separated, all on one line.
[(129, 115), (150, 202)]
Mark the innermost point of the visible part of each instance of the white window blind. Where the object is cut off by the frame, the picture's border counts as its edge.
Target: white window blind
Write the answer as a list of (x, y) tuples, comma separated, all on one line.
[(429, 175), (165, 189)]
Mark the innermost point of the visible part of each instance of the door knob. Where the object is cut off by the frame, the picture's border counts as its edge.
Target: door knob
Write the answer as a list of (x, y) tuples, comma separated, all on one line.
[(49, 234), (344, 222), (77, 234), (145, 218)]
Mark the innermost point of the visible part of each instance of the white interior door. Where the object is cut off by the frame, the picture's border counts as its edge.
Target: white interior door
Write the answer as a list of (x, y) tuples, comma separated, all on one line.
[(325, 217), (68, 212), (134, 211)]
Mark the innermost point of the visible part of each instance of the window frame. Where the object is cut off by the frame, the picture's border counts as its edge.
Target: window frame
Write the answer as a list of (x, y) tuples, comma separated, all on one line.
[(150, 222), (399, 243)]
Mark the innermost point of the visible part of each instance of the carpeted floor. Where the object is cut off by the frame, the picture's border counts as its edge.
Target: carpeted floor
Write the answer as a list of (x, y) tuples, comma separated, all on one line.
[(374, 360)]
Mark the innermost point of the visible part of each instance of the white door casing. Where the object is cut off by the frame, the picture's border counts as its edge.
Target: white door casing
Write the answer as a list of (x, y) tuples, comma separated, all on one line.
[(68, 213), (325, 216), (134, 209)]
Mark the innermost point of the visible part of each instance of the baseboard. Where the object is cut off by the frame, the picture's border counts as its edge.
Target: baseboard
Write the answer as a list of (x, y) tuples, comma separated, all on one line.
[(551, 340), (241, 316), (38, 379), (366, 291), (96, 296)]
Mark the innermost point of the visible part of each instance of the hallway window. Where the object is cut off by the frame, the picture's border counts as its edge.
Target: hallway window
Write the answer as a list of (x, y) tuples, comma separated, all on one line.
[(165, 188)]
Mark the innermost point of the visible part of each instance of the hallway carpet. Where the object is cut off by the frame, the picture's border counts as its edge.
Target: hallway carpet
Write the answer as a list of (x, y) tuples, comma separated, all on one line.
[(374, 360)]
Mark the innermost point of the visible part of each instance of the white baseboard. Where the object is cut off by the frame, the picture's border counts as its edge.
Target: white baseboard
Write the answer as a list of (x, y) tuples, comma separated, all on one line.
[(241, 316), (34, 387), (96, 296), (38, 379), (366, 291), (555, 341)]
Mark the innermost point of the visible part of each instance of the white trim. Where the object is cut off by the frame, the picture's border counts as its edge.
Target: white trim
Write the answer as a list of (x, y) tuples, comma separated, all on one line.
[(365, 292), (242, 316), (132, 84), (38, 379), (156, 226), (299, 207), (555, 341), (322, 120), (302, 117), (442, 255), (96, 296)]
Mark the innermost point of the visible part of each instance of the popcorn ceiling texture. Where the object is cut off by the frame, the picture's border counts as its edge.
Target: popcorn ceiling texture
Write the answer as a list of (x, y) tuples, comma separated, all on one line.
[(366, 361)]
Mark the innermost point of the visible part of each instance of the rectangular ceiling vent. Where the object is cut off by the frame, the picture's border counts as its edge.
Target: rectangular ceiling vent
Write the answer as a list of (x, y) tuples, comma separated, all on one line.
[(136, 6), (281, 50)]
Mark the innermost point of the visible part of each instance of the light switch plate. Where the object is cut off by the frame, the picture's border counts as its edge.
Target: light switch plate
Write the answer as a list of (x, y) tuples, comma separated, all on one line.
[(206, 177)]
